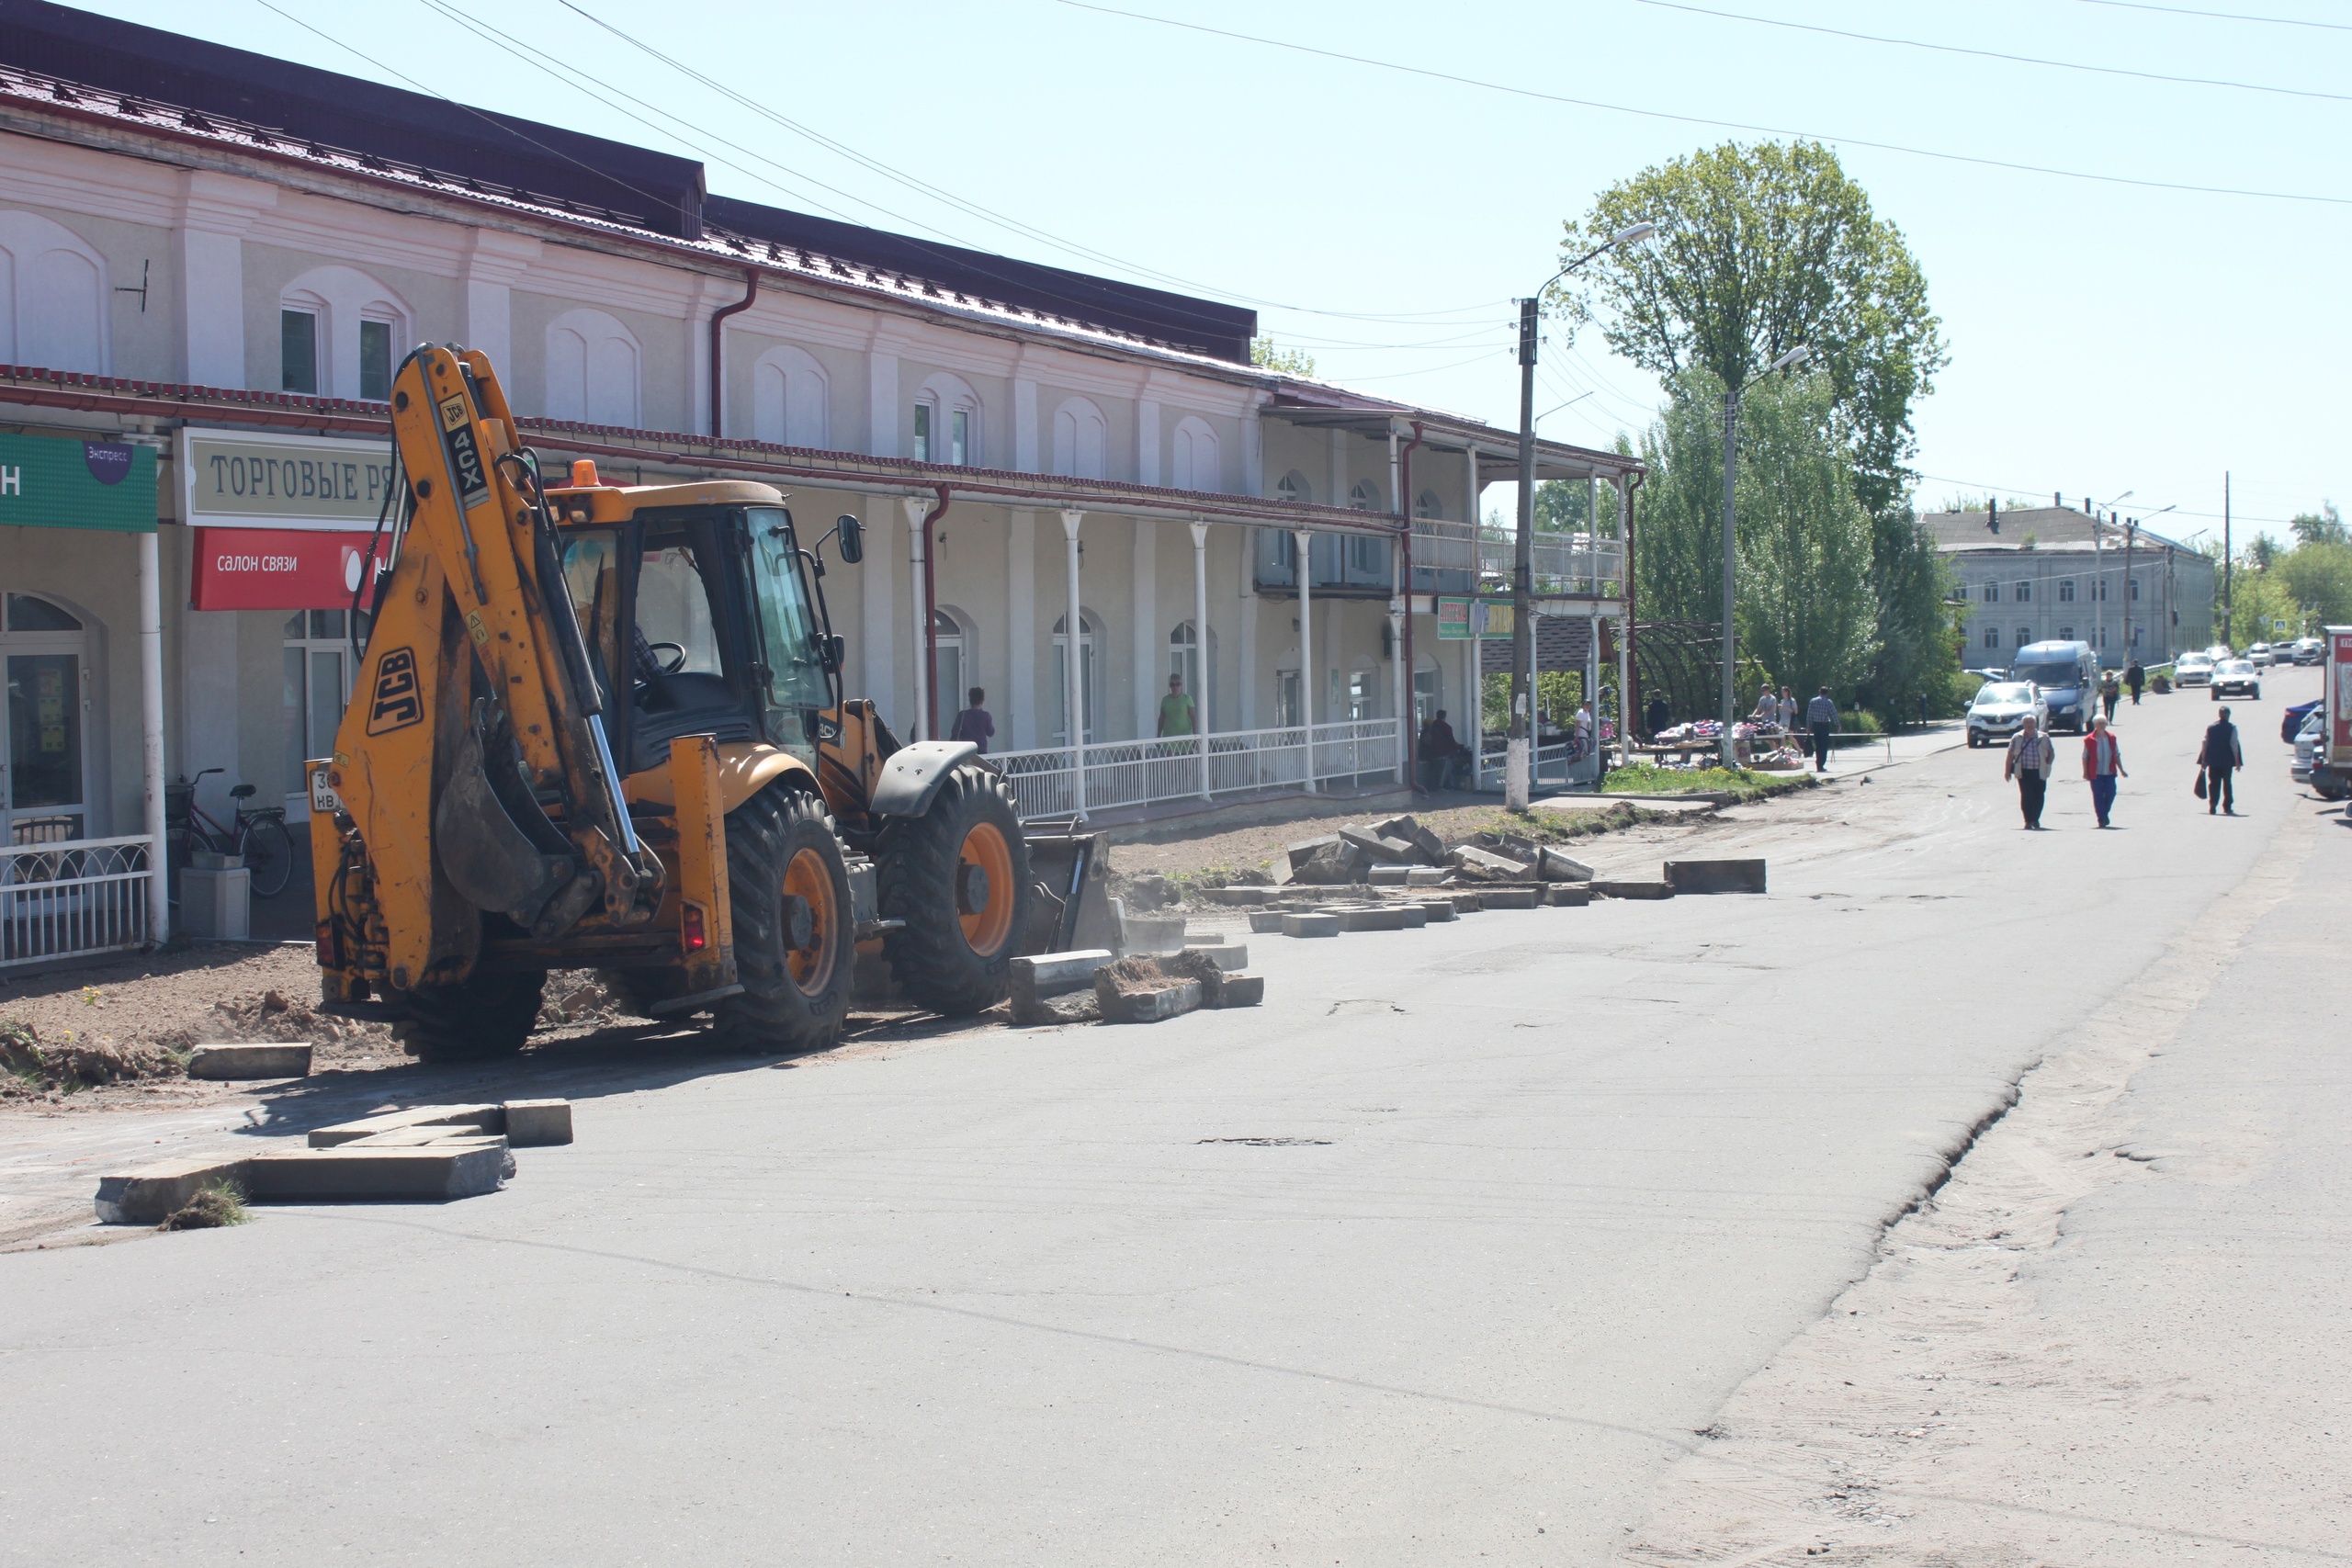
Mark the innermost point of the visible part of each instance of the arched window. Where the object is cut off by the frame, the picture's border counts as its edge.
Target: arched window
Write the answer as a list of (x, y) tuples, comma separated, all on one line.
[(947, 422), (1199, 463), (592, 376), (1364, 497), (947, 667), (791, 399), (54, 296), (1184, 659), (1292, 486), (1081, 441), (1086, 673), (44, 649), (339, 331), (1429, 507)]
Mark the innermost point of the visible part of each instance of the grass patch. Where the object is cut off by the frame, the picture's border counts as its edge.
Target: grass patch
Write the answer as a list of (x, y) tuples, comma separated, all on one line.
[(218, 1203), (1742, 783)]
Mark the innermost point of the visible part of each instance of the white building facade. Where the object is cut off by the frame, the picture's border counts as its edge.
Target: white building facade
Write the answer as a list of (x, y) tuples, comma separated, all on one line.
[(233, 299), (2048, 573)]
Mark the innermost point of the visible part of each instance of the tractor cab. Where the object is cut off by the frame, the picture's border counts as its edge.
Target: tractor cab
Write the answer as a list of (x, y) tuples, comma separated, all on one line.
[(702, 615)]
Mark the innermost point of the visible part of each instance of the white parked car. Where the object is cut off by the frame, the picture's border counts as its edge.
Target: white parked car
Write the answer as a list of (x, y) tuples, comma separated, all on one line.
[(2259, 656), (2310, 650), (2000, 710), (2307, 742), (2193, 669)]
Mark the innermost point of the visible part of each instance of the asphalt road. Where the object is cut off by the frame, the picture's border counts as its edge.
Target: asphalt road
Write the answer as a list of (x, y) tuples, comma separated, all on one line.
[(1450, 1250)]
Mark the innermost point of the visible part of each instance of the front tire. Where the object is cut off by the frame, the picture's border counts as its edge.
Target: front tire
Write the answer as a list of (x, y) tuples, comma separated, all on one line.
[(958, 876), (486, 1015), (796, 940)]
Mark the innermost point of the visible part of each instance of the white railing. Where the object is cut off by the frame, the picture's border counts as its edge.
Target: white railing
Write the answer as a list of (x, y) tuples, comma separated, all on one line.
[(1047, 783), (83, 896), (1565, 563)]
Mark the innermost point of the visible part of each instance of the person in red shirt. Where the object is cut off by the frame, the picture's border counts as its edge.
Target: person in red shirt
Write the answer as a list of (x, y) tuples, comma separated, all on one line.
[(2102, 765)]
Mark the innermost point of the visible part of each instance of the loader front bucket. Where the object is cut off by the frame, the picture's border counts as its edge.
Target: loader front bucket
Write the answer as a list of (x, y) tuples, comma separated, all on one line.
[(1072, 874)]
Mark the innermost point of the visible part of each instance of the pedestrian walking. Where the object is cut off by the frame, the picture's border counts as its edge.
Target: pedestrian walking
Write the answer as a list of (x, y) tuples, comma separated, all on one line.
[(2030, 756), (2134, 678), (1176, 712), (2109, 693), (2102, 765), (974, 724), (2218, 760), (1821, 714)]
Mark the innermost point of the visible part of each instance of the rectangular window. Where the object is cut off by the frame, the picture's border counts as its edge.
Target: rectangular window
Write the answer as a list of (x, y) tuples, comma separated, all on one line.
[(2065, 591), (375, 361), (1992, 637), (2135, 590), (298, 352), (2065, 634), (959, 437), (2025, 592), (923, 433), (1992, 593), (2135, 635)]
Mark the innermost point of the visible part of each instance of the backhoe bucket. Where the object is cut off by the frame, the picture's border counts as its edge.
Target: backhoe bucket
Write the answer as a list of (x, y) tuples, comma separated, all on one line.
[(491, 859), (1072, 874)]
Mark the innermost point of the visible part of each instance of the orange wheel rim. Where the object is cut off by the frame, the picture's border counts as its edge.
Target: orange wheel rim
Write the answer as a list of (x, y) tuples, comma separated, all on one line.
[(986, 927), (811, 878)]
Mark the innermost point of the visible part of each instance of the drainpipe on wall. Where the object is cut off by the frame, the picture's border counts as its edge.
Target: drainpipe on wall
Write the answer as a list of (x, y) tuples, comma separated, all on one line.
[(717, 336)]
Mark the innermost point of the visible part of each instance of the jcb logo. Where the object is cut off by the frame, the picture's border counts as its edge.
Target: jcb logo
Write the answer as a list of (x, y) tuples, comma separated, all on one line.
[(396, 702), (454, 413)]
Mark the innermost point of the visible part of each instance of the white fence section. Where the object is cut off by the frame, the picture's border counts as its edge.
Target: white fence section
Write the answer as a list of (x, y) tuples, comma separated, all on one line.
[(81, 896), (1051, 782)]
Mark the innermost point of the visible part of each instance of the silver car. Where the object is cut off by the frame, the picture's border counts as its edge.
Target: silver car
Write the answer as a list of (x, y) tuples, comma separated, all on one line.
[(2307, 742), (2193, 669), (2000, 710)]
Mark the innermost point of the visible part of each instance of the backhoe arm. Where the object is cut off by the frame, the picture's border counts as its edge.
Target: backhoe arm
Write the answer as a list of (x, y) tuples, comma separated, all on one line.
[(474, 761)]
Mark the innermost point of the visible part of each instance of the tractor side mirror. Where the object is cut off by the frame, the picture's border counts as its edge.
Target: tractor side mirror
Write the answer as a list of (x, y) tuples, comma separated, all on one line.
[(853, 534), (834, 650)]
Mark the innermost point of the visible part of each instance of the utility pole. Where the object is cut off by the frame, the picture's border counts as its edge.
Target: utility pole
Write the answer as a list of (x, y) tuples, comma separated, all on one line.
[(2131, 536), (1731, 558), (2228, 563), (1518, 770)]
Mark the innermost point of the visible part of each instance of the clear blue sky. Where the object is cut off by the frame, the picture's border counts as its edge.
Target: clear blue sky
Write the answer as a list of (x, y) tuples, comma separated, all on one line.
[(2105, 337)]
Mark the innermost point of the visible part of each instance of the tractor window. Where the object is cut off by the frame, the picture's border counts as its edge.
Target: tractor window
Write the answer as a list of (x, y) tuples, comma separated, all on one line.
[(674, 606), (592, 572), (787, 621)]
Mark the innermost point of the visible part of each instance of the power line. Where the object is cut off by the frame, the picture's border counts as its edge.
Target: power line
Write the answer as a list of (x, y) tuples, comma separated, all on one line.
[(2220, 17), (1700, 119), (2028, 490), (1996, 55)]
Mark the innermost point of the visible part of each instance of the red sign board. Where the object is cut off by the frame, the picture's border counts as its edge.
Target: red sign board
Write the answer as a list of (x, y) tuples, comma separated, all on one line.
[(2339, 693), (279, 569)]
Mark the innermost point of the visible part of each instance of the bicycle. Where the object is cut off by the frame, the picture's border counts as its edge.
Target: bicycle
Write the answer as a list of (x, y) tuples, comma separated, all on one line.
[(258, 836)]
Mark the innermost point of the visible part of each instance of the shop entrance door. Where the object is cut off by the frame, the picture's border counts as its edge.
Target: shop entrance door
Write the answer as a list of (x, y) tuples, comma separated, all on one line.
[(44, 773)]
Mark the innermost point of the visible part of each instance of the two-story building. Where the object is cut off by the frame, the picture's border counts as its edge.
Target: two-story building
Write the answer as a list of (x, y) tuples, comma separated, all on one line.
[(2053, 573), (211, 263)]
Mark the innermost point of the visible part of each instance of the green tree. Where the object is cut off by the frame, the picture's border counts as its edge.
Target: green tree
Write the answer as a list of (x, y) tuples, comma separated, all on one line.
[(1267, 354), (2325, 526), (1808, 609), (1760, 249), (2318, 578)]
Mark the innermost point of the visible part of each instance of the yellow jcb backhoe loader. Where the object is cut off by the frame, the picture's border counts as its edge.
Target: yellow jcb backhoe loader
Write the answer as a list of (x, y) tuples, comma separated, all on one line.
[(601, 727)]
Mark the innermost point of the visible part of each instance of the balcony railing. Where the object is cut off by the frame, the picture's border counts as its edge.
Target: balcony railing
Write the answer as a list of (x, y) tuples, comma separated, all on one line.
[(73, 898), (1578, 564), (1052, 783)]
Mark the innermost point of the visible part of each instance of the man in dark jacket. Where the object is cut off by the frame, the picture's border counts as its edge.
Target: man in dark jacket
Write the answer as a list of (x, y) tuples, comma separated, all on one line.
[(1660, 715), (2220, 757), (2134, 678), (1821, 717)]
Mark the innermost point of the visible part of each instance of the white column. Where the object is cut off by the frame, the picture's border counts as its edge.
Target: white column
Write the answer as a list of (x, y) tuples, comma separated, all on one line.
[(495, 260), (1253, 453), (1020, 631), (921, 726), (1201, 646), (1246, 655), (1624, 618), (1025, 425), (151, 735), (882, 403), (1305, 563), (1074, 667), (877, 643), (215, 211), (1400, 677), (1473, 706), (1148, 469), (1144, 610)]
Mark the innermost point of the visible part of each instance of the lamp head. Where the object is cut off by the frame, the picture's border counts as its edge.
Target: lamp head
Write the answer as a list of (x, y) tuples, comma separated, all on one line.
[(1634, 235), (1796, 356)]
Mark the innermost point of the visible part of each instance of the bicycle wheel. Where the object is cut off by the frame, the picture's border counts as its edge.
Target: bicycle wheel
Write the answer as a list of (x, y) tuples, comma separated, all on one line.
[(269, 856)]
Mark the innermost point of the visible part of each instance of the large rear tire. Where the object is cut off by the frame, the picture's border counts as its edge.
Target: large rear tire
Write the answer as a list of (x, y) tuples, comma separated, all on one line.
[(796, 938), (958, 876), (486, 1015)]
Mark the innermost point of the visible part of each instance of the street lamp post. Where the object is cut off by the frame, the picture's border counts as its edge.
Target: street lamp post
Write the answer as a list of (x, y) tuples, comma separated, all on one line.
[(1518, 763), (1731, 538)]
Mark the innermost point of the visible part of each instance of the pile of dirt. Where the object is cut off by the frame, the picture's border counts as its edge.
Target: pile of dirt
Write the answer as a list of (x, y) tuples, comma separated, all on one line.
[(32, 1068)]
